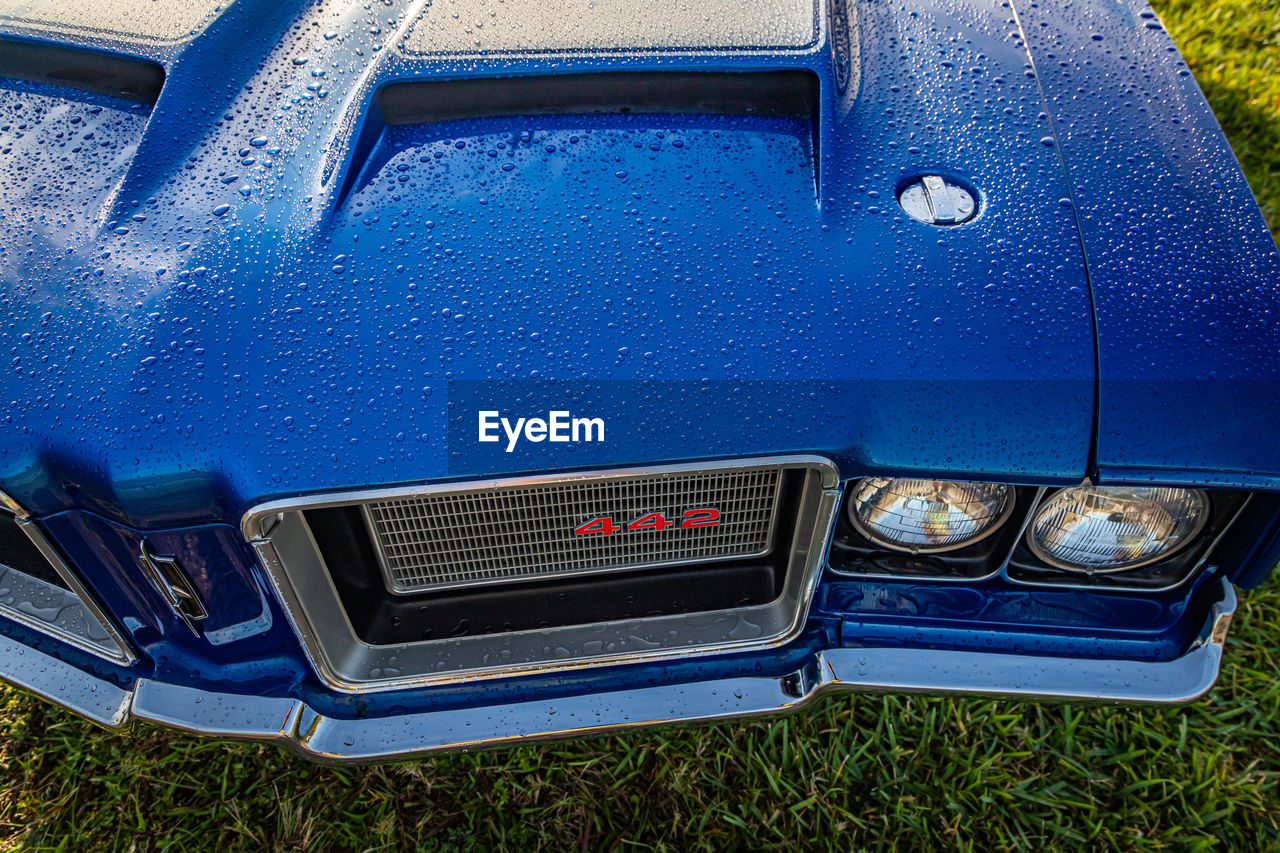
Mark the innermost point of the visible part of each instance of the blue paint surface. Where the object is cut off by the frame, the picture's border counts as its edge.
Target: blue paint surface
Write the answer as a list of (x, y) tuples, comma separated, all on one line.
[(290, 312), (1184, 274), (256, 289)]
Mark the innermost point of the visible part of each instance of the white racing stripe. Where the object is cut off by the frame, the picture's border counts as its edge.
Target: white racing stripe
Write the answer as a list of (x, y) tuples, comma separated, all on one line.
[(152, 20), (505, 26)]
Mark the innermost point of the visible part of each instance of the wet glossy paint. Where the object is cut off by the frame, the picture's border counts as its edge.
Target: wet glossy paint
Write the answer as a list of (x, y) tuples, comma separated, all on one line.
[(1184, 275), (282, 292), (257, 289)]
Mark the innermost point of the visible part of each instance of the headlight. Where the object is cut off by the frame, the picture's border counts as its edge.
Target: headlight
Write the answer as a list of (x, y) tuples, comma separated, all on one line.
[(1108, 529), (926, 516)]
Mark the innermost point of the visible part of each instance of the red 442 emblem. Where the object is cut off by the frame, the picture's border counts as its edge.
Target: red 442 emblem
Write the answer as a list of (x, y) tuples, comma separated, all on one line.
[(604, 525)]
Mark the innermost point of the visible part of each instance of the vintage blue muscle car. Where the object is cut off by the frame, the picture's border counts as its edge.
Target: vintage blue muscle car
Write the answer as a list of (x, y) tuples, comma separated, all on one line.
[(391, 377)]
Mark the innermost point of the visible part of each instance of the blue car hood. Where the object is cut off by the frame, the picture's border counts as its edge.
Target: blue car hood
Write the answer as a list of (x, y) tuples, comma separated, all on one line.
[(258, 286)]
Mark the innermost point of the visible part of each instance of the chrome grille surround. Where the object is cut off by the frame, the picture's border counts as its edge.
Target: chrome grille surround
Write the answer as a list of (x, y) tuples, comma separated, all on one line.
[(279, 532), (525, 532)]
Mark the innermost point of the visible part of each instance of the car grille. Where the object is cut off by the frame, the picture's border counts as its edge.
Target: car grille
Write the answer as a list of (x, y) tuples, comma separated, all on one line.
[(526, 532)]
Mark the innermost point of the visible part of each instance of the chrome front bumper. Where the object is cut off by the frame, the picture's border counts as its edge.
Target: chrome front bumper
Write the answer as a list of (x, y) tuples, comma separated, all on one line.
[(294, 724)]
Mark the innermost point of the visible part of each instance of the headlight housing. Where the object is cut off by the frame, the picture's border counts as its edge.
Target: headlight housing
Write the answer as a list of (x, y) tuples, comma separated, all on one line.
[(1102, 529), (927, 516)]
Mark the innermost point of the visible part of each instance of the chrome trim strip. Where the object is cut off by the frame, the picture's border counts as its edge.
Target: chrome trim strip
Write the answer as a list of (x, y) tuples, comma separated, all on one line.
[(8, 503), (292, 723), (63, 684), (346, 663), (122, 653)]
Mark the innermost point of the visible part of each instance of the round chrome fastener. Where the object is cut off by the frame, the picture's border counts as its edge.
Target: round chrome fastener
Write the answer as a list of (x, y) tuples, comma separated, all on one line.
[(937, 201)]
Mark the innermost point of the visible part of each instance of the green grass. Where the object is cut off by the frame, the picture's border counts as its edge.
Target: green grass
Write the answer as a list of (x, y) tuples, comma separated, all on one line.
[(852, 772), (1233, 46)]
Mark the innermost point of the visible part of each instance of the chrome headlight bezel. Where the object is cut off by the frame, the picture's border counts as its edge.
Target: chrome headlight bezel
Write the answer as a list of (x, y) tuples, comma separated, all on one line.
[(878, 540), (1187, 537), (1005, 554)]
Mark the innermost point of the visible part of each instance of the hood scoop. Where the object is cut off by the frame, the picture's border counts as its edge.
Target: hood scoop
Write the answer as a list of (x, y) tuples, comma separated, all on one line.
[(126, 78), (792, 94), (70, 124), (540, 140)]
